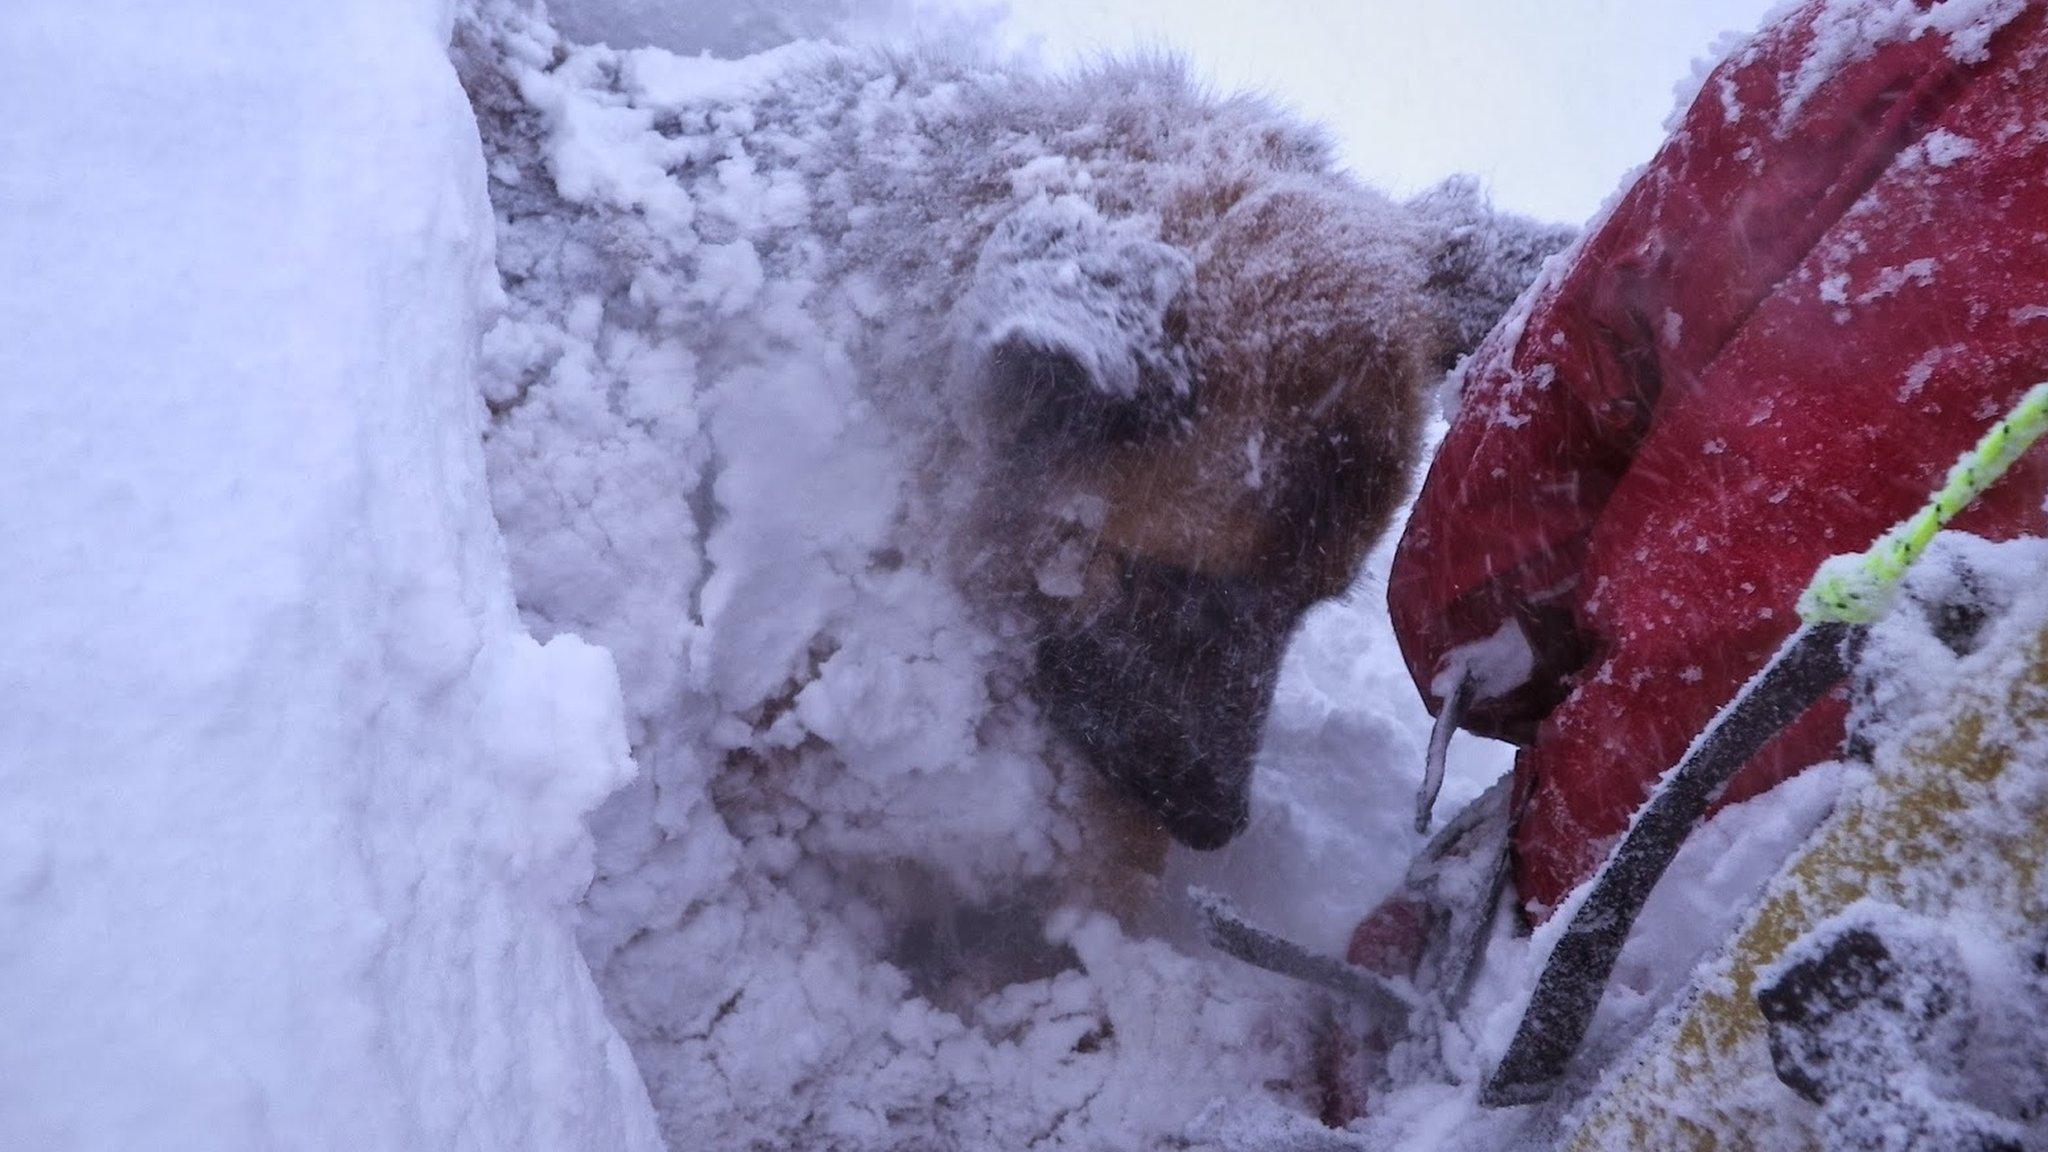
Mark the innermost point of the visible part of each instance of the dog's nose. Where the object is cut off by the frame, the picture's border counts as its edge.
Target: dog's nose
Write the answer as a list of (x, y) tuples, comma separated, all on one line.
[(1204, 823), (1171, 721)]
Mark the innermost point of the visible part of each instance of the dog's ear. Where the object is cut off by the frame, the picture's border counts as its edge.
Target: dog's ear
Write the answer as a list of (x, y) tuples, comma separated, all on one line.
[(1053, 397), (1074, 319), (1479, 261)]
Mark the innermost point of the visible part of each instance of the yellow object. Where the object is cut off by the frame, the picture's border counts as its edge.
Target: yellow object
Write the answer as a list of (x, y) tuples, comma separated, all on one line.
[(1945, 824)]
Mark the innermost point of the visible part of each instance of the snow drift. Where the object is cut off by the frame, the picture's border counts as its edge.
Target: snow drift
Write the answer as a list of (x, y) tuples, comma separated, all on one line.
[(293, 805)]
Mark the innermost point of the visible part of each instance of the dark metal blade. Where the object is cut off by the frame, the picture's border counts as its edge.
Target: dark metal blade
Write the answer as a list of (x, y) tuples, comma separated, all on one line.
[(1231, 933), (1448, 720)]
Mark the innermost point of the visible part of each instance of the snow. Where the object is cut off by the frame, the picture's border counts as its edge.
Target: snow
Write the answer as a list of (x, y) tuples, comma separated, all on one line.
[(1496, 664), (1942, 147), (1880, 1031), (1687, 91), (1846, 31), (806, 683), (294, 806), (742, 28), (1944, 604)]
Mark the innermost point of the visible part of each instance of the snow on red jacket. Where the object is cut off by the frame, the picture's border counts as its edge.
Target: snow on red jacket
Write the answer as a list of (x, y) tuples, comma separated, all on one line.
[(1828, 283)]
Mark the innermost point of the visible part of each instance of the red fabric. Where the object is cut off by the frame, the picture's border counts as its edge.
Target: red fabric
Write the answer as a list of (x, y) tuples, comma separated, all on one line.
[(1824, 288)]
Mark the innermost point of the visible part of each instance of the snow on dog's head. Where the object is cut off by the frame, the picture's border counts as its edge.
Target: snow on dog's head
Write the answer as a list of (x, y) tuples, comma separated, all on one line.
[(930, 443)]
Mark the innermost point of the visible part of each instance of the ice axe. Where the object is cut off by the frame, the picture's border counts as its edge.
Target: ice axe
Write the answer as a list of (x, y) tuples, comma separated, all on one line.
[(1456, 880), (1847, 596)]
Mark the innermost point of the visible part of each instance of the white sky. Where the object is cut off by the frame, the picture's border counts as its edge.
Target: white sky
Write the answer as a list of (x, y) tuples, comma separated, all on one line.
[(1550, 101)]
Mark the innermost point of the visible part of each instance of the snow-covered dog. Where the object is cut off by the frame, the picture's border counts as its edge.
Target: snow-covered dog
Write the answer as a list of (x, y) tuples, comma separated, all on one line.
[(910, 427)]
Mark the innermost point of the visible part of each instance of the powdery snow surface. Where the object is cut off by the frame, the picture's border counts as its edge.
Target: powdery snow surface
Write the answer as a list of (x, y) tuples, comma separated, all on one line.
[(857, 897), (293, 806)]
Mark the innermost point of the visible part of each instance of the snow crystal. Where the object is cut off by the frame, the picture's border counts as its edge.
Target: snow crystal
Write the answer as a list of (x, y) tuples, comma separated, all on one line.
[(1889, 280), (1687, 91), (1498, 664), (1942, 147), (1927, 365)]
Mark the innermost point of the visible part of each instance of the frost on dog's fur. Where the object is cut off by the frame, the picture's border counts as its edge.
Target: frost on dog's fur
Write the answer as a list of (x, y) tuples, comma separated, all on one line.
[(824, 384)]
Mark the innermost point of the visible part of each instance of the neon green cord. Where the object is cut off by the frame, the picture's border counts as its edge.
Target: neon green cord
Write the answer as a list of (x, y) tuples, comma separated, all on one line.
[(1858, 588)]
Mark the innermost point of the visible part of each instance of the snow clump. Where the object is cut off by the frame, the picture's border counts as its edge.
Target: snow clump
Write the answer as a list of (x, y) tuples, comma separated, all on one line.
[(293, 807)]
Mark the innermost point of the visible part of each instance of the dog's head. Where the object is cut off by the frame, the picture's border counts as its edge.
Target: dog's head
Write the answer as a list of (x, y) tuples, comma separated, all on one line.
[(1200, 436), (1205, 403)]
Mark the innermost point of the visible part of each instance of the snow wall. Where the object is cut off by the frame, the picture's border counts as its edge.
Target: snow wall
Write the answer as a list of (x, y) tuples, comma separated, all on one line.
[(293, 805)]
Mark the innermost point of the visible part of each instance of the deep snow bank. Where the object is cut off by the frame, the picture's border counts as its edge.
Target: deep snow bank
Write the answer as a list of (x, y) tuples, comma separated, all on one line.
[(292, 805)]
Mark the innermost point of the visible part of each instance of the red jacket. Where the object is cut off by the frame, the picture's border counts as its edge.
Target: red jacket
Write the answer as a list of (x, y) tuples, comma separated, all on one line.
[(1824, 288)]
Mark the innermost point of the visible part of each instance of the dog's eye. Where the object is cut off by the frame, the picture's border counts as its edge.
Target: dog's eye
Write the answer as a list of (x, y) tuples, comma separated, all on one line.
[(1192, 598), (1056, 401)]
